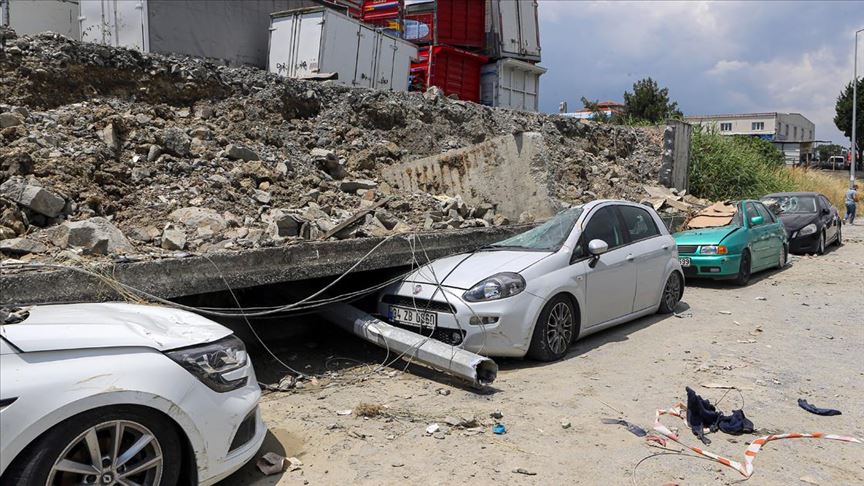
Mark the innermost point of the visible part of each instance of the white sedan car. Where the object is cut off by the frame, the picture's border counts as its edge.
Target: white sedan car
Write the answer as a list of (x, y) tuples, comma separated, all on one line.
[(588, 268), (124, 394)]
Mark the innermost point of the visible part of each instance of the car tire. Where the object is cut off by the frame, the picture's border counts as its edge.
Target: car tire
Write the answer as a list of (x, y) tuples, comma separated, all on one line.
[(784, 257), (672, 292), (839, 240), (551, 337), (68, 440), (744, 269), (821, 249)]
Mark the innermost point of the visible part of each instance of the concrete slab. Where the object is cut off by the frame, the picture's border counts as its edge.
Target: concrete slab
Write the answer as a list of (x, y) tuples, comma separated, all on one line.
[(178, 277)]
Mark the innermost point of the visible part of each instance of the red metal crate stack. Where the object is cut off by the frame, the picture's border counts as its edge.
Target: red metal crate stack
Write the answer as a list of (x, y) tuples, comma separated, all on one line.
[(386, 14), (448, 30)]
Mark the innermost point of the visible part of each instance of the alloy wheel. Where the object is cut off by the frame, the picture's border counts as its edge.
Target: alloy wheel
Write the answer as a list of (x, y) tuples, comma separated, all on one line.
[(672, 291), (559, 328), (118, 452)]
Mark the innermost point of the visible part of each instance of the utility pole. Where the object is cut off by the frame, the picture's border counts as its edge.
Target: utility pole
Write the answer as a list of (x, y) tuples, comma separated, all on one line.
[(854, 113)]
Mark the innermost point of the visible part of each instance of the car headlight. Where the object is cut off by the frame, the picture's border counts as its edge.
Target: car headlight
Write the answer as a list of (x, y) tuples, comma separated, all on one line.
[(211, 362), (807, 230), (714, 250), (496, 287)]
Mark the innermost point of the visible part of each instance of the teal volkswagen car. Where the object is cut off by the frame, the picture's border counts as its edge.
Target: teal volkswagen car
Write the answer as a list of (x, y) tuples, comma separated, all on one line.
[(732, 240)]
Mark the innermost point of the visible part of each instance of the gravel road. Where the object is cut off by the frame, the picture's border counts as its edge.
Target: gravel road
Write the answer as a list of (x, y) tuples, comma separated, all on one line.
[(795, 333)]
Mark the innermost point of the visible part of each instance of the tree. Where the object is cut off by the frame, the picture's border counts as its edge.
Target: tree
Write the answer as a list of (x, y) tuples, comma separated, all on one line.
[(843, 117), (650, 103), (829, 150), (597, 114)]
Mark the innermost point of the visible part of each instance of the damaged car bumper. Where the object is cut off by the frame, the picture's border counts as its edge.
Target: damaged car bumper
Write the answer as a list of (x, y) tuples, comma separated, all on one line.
[(711, 266), (493, 328)]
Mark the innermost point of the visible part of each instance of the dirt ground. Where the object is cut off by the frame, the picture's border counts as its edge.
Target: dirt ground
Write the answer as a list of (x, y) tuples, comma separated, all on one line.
[(795, 333)]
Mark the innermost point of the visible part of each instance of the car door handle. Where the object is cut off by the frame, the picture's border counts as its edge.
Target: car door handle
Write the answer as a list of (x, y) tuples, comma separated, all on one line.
[(630, 257), (665, 247)]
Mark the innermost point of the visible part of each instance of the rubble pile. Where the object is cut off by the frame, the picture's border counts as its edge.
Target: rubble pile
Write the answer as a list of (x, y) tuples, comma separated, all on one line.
[(107, 151)]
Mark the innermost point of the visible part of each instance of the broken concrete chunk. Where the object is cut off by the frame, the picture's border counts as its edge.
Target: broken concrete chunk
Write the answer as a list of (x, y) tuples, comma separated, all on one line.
[(153, 153), (263, 197), (283, 224), (94, 235), (110, 136), (16, 162), (10, 120), (386, 218), (193, 217), (33, 197), (353, 185), (240, 152), (144, 234), (327, 161), (21, 246), (176, 142), (173, 239)]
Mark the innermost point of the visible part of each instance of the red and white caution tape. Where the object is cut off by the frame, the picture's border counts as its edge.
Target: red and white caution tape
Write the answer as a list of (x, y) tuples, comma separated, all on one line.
[(745, 468)]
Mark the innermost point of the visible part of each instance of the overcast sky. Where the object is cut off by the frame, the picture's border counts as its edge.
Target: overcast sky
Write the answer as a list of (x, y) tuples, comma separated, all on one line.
[(715, 57)]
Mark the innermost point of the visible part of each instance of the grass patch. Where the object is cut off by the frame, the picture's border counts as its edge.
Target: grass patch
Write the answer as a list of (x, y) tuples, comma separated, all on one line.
[(370, 410), (738, 167), (810, 180)]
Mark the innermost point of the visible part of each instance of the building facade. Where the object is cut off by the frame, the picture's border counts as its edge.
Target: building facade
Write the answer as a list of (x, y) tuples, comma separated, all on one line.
[(607, 108), (792, 133)]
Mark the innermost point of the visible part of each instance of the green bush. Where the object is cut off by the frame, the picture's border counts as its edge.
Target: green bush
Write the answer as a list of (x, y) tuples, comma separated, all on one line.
[(724, 167)]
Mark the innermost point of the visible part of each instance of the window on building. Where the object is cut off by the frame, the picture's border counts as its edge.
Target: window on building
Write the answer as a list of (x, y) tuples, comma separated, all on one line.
[(794, 133), (757, 126), (725, 127), (787, 130)]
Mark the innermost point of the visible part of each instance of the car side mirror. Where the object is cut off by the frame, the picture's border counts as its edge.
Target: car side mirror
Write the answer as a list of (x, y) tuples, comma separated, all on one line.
[(756, 220), (826, 211), (597, 247)]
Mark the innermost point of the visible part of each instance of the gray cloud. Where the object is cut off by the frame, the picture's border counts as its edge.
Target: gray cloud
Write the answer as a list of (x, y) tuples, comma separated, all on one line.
[(715, 57)]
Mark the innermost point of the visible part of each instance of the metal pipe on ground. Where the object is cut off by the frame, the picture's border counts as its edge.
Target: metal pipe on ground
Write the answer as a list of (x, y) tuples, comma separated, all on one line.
[(477, 370)]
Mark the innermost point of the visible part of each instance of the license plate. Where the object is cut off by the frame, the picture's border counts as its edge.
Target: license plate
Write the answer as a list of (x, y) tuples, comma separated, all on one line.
[(413, 317), (685, 262)]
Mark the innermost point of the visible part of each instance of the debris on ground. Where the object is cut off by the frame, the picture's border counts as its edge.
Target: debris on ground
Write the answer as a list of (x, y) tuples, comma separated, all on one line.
[(369, 410), (632, 428), (271, 463), (816, 410), (522, 470), (499, 429)]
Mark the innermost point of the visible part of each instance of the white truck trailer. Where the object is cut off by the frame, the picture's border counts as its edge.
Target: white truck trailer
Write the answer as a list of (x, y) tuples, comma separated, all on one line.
[(316, 43)]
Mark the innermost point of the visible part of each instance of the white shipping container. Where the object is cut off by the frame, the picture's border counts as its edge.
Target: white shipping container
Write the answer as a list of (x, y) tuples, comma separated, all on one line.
[(28, 17), (510, 83), (513, 29), (229, 31), (319, 42)]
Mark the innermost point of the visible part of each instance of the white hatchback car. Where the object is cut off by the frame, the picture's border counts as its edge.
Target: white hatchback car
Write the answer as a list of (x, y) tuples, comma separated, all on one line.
[(124, 394), (588, 268)]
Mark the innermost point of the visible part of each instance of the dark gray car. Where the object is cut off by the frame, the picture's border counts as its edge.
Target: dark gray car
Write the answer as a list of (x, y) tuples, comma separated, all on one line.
[(811, 221)]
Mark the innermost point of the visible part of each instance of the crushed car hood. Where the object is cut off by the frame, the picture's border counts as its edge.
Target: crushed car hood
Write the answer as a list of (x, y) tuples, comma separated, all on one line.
[(706, 236), (81, 326), (465, 270)]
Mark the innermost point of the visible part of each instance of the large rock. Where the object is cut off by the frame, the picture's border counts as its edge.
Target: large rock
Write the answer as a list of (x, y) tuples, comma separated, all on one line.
[(10, 120), (16, 162), (239, 152), (94, 235), (194, 217), (36, 198), (173, 239), (176, 142), (21, 246)]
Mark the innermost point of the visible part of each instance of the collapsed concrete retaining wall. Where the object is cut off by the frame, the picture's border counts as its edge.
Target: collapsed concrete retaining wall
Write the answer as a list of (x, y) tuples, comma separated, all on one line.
[(508, 171)]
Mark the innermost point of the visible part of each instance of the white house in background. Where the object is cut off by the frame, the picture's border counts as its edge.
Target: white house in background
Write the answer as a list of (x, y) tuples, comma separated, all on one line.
[(792, 133)]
